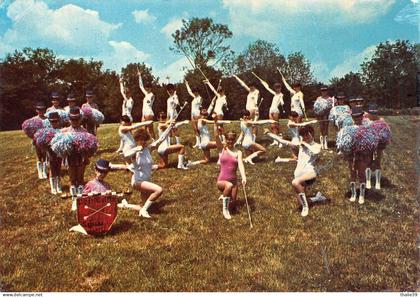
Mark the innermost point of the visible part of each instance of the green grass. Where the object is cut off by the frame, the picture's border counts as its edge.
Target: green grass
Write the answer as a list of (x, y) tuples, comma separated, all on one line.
[(188, 246)]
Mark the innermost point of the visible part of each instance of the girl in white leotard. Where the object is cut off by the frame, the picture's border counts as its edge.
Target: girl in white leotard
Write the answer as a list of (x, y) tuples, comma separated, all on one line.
[(206, 144), (305, 172), (142, 167), (165, 148), (148, 100), (218, 104), (196, 104), (252, 149), (124, 131)]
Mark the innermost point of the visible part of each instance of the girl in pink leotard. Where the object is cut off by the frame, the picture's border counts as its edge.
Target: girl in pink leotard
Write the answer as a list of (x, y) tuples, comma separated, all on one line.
[(230, 159)]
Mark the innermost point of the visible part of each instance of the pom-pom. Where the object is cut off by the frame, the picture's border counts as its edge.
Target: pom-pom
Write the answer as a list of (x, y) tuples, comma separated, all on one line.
[(365, 140), (383, 131), (347, 121), (322, 106), (64, 116), (339, 110), (44, 136), (85, 143), (30, 126), (87, 111), (62, 144), (344, 140), (98, 116), (343, 118)]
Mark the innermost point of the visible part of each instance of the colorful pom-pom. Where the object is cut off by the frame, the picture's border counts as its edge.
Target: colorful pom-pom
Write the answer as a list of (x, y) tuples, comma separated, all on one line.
[(44, 136), (365, 140), (322, 106), (30, 126), (87, 111), (85, 143), (383, 131), (62, 143), (344, 140), (98, 116)]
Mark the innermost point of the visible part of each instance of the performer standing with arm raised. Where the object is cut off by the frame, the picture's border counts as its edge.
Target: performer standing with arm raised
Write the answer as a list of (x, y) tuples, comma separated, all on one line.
[(148, 100), (126, 108), (297, 104), (171, 109), (196, 105), (219, 104)]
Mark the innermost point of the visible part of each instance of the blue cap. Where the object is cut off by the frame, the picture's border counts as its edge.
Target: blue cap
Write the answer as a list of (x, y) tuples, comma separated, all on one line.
[(40, 105), (55, 95), (89, 93), (356, 112), (53, 116), (340, 95), (102, 165), (373, 108), (71, 97), (75, 113)]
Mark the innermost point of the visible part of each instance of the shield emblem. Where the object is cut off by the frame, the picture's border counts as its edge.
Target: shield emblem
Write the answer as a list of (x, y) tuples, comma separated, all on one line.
[(97, 213)]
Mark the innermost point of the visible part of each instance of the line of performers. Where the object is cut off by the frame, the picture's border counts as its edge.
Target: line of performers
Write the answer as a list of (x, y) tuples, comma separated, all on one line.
[(138, 140)]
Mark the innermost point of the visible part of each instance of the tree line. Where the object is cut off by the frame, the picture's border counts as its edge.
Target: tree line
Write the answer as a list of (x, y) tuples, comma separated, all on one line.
[(30, 75)]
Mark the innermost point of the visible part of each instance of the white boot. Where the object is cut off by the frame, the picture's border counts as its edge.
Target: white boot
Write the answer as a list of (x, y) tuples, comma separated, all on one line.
[(58, 185), (73, 193), (143, 211), (378, 179), (53, 185), (44, 170), (181, 162), (326, 142), (197, 141), (353, 191), (225, 211), (80, 190), (321, 141), (318, 198), (362, 193), (39, 168), (254, 137), (304, 203), (250, 158), (178, 139), (368, 173)]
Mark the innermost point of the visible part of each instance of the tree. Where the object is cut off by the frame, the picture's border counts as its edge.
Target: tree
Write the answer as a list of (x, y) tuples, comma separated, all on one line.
[(201, 41), (390, 75), (351, 84), (297, 69)]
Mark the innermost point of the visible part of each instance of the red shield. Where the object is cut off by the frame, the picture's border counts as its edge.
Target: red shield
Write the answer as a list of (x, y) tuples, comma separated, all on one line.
[(97, 213)]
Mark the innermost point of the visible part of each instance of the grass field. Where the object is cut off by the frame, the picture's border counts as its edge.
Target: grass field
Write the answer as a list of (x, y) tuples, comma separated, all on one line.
[(188, 246)]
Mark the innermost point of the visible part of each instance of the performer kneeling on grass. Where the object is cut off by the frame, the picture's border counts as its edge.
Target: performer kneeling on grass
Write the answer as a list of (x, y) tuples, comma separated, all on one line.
[(206, 145), (195, 111), (142, 167), (124, 131), (165, 148), (305, 172), (230, 159), (252, 149), (76, 161), (55, 161)]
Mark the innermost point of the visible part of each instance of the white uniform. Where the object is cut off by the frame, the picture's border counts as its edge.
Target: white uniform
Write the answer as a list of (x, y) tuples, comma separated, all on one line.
[(218, 107), (306, 159), (204, 134), (277, 100), (127, 108), (165, 144), (252, 100), (196, 106), (297, 104), (148, 100), (247, 132), (171, 105), (142, 166), (294, 133), (127, 142)]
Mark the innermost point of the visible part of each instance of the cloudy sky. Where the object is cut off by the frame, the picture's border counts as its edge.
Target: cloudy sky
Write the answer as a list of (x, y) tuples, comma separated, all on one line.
[(335, 35)]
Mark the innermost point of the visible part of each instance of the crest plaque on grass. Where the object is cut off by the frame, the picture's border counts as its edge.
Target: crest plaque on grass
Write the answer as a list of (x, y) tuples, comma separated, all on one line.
[(96, 214)]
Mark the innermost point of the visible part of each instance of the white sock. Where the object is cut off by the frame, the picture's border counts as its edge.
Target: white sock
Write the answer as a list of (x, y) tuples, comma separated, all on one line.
[(353, 190), (180, 160), (147, 204), (368, 173), (303, 200), (362, 190), (326, 142), (197, 140), (252, 156), (254, 137), (178, 139), (321, 141), (39, 168), (121, 146), (80, 190), (318, 197), (378, 178), (58, 184), (44, 170), (73, 190), (53, 185)]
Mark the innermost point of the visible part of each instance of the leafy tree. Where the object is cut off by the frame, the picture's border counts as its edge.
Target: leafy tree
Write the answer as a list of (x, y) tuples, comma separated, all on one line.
[(390, 75), (351, 84), (201, 41), (297, 69)]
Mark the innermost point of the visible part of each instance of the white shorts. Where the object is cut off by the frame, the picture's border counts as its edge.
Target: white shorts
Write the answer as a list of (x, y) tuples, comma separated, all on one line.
[(161, 150), (148, 112), (139, 177), (274, 110), (172, 115), (247, 143), (194, 114)]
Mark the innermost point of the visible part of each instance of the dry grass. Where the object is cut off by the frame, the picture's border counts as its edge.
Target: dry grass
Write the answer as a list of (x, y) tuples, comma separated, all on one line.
[(188, 246)]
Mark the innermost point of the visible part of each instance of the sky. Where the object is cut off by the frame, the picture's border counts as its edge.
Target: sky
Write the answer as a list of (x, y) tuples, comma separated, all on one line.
[(334, 35)]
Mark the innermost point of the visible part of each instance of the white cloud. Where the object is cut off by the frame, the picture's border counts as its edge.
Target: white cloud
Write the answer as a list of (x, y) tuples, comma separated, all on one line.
[(270, 17), (143, 16), (173, 25), (175, 71), (409, 14), (352, 62), (70, 27), (70, 31)]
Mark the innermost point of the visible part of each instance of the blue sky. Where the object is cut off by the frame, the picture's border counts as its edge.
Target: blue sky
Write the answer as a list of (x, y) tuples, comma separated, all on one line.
[(335, 35)]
